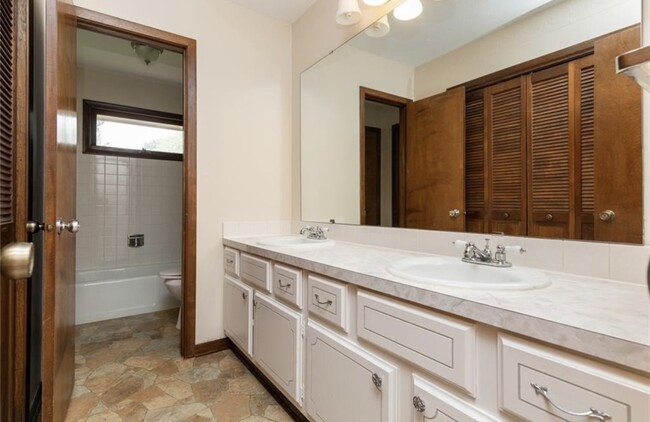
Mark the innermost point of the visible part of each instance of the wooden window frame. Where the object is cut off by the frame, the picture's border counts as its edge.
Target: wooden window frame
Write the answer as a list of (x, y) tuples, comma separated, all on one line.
[(92, 108)]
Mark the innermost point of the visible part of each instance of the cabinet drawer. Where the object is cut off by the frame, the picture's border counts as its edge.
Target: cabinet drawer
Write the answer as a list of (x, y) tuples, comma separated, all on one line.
[(238, 313), (287, 284), (328, 300), (444, 346), (541, 384), (277, 344), (432, 403), (231, 261), (345, 383), (256, 271)]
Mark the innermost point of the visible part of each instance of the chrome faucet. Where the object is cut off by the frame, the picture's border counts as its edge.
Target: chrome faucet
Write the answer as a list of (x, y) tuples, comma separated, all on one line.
[(473, 255), (315, 232)]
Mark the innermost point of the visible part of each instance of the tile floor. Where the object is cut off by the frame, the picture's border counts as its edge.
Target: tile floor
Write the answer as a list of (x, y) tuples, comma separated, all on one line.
[(130, 369)]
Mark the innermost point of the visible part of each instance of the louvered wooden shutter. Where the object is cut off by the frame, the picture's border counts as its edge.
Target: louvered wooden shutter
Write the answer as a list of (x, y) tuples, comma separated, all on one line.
[(551, 153), (6, 111), (475, 163), (585, 223), (506, 157)]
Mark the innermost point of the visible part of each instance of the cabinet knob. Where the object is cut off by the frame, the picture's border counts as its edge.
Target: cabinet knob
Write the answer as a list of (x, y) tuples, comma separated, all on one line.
[(376, 379), (548, 217), (244, 295), (454, 213), (607, 216), (419, 405), (506, 215)]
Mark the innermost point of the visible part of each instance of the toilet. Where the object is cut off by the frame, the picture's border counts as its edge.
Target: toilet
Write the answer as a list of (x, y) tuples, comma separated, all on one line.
[(173, 280)]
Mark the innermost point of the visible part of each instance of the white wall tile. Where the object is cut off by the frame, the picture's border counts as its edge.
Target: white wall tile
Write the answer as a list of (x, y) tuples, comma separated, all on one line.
[(629, 263), (544, 253), (586, 258)]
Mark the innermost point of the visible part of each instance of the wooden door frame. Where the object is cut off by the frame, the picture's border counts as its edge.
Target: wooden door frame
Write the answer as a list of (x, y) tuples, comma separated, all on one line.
[(110, 25), (15, 392), (369, 94)]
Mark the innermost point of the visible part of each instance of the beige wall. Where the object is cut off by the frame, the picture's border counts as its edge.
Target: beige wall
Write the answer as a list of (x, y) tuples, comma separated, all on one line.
[(243, 124), (329, 113)]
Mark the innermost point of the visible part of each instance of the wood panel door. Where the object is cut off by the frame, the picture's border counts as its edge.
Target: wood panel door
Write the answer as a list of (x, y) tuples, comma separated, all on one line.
[(506, 158), (14, 109), (435, 149), (617, 142), (371, 213), (60, 145)]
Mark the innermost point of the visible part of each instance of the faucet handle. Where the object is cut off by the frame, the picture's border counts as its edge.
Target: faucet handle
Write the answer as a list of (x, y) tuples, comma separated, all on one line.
[(515, 249)]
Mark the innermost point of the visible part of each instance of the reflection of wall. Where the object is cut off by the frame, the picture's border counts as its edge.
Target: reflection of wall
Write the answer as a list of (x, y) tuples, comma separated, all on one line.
[(121, 196), (384, 117), (330, 128), (565, 24)]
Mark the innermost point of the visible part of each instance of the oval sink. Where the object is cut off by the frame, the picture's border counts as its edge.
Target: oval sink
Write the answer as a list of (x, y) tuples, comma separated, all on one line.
[(299, 241), (455, 273)]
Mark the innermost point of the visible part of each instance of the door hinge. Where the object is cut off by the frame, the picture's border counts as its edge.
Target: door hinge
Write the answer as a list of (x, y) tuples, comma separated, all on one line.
[(302, 393), (302, 328)]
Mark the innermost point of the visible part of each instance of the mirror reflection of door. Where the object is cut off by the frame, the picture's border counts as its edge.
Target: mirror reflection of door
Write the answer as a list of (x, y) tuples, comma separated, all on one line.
[(372, 182)]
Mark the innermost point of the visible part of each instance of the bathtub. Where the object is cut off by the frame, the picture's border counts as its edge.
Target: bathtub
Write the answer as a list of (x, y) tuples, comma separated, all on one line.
[(113, 293)]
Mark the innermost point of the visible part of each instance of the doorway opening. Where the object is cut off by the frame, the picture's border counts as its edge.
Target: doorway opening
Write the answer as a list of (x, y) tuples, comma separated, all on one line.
[(382, 158), (136, 88)]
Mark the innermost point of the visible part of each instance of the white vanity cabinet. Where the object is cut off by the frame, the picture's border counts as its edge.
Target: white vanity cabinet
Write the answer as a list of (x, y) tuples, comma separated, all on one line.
[(238, 313), (277, 344), (345, 383)]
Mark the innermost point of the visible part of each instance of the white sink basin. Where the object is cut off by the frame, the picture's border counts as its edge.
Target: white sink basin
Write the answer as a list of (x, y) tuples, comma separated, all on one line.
[(295, 241), (455, 273)]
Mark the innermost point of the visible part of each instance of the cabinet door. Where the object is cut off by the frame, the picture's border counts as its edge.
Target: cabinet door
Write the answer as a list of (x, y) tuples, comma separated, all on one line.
[(238, 313), (345, 383), (277, 340)]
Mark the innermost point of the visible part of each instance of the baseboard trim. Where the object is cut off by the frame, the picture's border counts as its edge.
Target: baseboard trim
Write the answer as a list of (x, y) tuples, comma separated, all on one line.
[(286, 404), (212, 347)]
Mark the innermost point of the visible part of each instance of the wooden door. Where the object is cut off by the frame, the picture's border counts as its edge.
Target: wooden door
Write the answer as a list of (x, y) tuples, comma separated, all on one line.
[(14, 109), (435, 148), (277, 344), (506, 158), (476, 174), (371, 213), (346, 383), (238, 313), (617, 142), (60, 145)]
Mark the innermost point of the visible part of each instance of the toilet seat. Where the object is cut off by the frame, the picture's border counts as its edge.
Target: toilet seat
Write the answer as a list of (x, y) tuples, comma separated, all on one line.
[(170, 273)]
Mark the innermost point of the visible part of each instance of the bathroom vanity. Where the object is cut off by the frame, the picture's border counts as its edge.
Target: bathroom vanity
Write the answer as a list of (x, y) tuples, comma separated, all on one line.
[(345, 340)]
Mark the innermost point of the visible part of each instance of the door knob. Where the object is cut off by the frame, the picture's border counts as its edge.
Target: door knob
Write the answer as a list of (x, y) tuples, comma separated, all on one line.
[(607, 216), (17, 260), (454, 213), (34, 227), (73, 226)]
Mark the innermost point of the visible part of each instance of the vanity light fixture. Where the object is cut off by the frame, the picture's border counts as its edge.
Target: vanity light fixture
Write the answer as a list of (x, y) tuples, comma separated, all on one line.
[(146, 53), (348, 12), (379, 28), (408, 10), (636, 65)]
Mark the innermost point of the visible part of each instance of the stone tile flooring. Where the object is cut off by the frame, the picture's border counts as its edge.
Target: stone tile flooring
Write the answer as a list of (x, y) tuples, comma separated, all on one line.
[(130, 369)]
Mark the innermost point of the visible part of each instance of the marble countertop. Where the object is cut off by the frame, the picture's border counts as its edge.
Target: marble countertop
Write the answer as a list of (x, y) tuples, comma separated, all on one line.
[(606, 319)]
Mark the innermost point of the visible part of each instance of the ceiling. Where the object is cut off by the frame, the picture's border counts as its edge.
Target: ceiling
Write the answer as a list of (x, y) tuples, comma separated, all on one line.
[(285, 10), (100, 51), (445, 26)]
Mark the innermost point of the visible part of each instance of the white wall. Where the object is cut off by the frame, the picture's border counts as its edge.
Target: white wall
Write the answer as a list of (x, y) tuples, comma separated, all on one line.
[(330, 128), (243, 124), (562, 25), (121, 196)]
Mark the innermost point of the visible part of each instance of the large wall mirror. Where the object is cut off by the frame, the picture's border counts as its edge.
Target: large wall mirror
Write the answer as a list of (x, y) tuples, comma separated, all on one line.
[(483, 116)]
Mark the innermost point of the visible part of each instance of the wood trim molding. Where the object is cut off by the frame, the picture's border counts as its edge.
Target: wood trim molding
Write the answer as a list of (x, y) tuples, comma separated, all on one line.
[(287, 405), (213, 346), (110, 25)]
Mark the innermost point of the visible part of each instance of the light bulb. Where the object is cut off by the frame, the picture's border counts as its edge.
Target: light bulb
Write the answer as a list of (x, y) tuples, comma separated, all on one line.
[(408, 10), (375, 2), (348, 12), (379, 28)]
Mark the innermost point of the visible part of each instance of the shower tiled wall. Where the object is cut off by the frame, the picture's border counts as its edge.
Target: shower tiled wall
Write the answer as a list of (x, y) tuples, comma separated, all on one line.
[(118, 196)]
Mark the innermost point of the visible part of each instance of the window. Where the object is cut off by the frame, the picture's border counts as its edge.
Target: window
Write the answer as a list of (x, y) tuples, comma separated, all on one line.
[(112, 129)]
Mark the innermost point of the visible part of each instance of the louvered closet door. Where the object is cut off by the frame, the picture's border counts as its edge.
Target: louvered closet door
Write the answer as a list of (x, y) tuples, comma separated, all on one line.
[(505, 119), (560, 167), (475, 176)]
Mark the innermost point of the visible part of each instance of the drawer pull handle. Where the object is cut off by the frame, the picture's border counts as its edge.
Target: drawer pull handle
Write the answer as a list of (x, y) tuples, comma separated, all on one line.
[(230, 261), (420, 407), (327, 302), (376, 379), (592, 413), (283, 286)]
